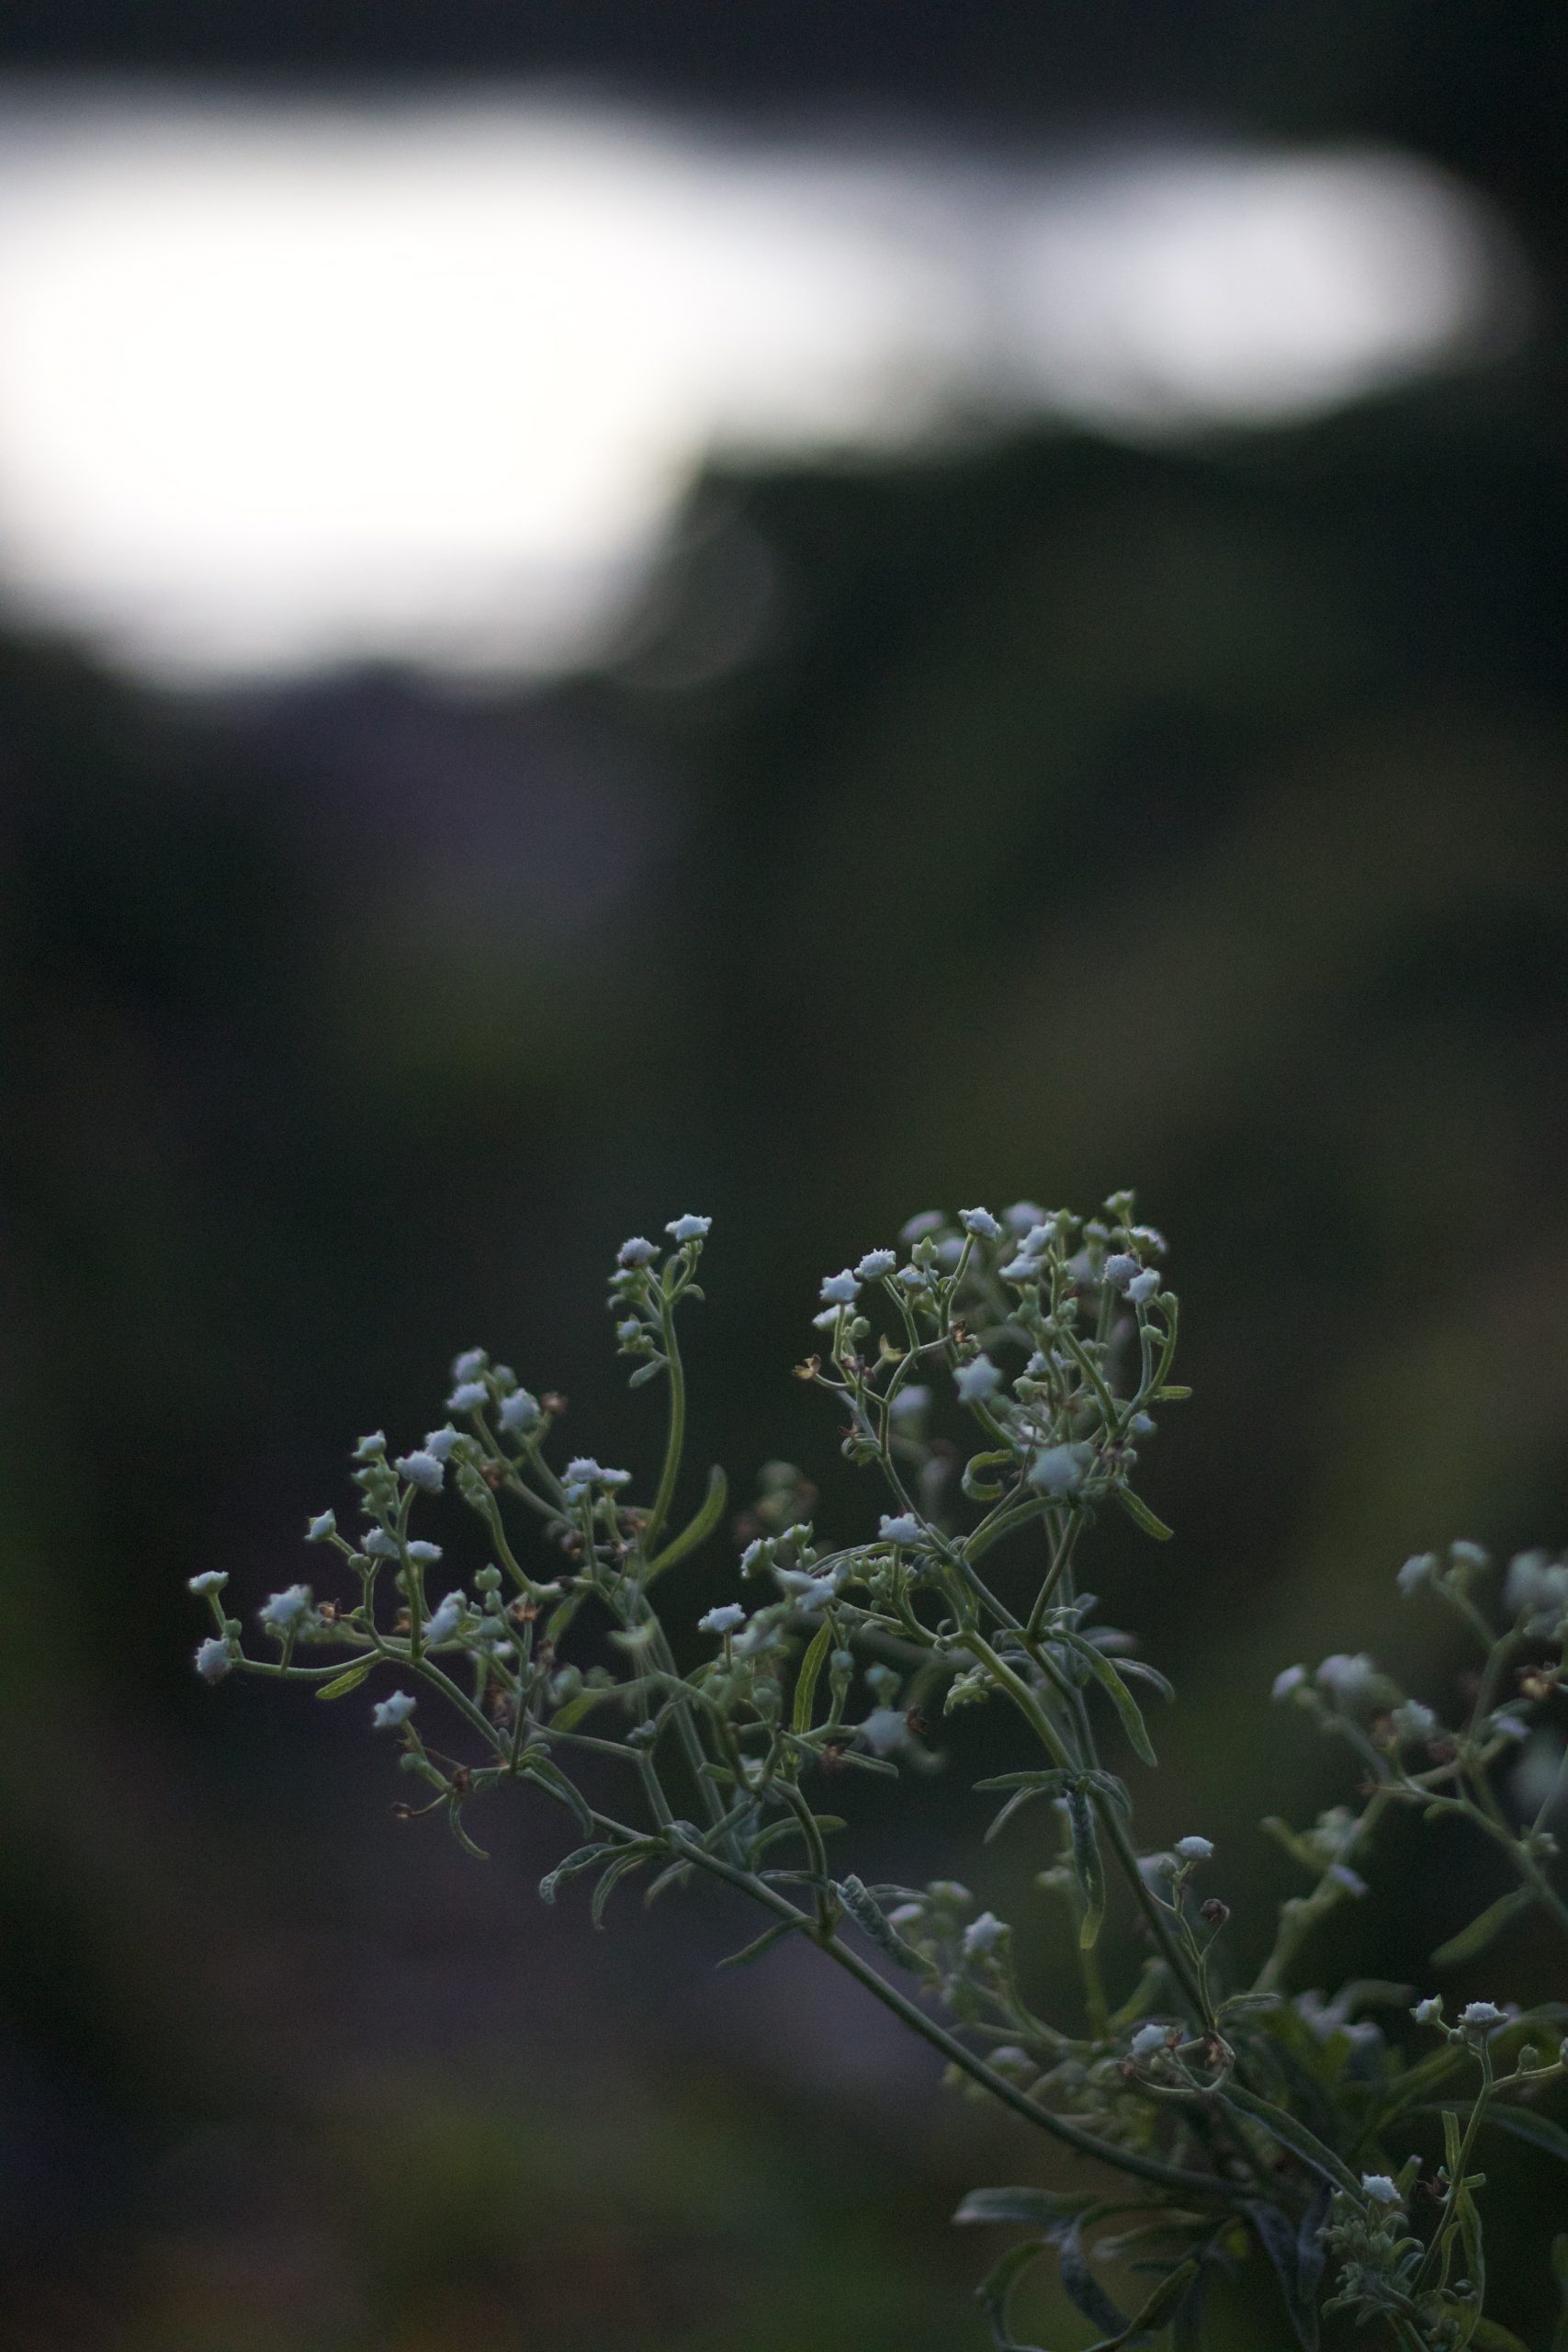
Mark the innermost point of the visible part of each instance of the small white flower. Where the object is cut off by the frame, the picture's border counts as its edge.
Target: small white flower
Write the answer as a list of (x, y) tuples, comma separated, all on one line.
[(981, 1223), (1413, 1721), (1025, 1216), (424, 1556), (470, 1364), (875, 1264), (688, 1227), (209, 1580), (908, 1401), (983, 1935), (393, 1710), (446, 1620), (1479, 2015), (884, 1730), (213, 1660), (722, 1619), (1149, 2039), (1380, 2189), (914, 1278), (1142, 1425), (1468, 1555), (582, 1470), (1120, 1269), (369, 1447), (1142, 1287), (839, 1290), (978, 1381), (285, 1609), (1195, 1850), (381, 1545), (1038, 1239), (754, 1556), (1419, 1569), (321, 1527), (1348, 1677), (901, 1527), (828, 1321), (420, 1469), (1430, 2011), (468, 1396), (1290, 1679), (441, 1441), (927, 1221), (1060, 1470), (518, 1411), (910, 1915), (625, 1332), (636, 1251)]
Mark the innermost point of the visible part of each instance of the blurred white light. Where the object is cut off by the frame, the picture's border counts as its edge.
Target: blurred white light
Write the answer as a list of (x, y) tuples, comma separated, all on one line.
[(285, 387)]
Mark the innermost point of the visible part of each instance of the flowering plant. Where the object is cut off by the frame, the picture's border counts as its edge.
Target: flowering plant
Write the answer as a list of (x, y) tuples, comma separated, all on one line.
[(1225, 2120)]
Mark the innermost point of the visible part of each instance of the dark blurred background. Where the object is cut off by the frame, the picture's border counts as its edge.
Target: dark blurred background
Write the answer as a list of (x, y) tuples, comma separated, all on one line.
[(1077, 801)]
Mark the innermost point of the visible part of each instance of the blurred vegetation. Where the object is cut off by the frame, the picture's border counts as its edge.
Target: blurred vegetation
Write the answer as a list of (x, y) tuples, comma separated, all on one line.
[(1034, 821)]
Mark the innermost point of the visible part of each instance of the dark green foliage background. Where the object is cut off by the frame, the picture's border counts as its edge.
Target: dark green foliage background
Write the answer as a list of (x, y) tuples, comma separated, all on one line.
[(1076, 816)]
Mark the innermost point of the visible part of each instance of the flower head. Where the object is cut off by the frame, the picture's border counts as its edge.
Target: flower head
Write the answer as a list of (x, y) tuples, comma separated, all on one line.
[(321, 1527), (393, 1710), (1419, 1569), (982, 1224), (636, 1251), (1148, 2039), (441, 1441), (209, 1580), (978, 1381), (1060, 1470), (446, 1620), (470, 1363), (467, 1397), (901, 1527), (369, 1447), (839, 1290), (1380, 2189), (213, 1659), (519, 1411), (983, 1935), (1478, 2016), (1195, 1850), (688, 1227), (1430, 2011), (1142, 1287), (1290, 1678), (722, 1619), (1120, 1269), (285, 1610), (908, 1401), (421, 1469), (876, 1263), (424, 1556)]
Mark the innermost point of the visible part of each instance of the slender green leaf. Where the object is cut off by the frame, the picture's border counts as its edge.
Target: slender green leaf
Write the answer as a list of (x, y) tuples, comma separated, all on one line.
[(550, 1776), (872, 1923), (995, 2291), (1079, 2283), (1037, 2208), (764, 1943), (1301, 2143), (1277, 2235), (1479, 1934), (342, 1684), (1090, 1870), (582, 1857), (1524, 2123), (698, 1530), (631, 1859), (1111, 1682), (810, 1667), (1141, 1516), (1156, 2312)]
